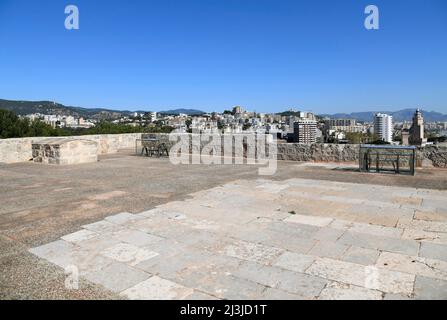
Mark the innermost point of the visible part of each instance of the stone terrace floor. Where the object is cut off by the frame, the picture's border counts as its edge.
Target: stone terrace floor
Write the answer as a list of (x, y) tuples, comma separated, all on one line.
[(142, 228)]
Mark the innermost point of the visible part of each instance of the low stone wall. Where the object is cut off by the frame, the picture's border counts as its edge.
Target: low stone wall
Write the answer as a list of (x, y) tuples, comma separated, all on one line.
[(318, 152), (20, 150), (433, 156), (429, 156)]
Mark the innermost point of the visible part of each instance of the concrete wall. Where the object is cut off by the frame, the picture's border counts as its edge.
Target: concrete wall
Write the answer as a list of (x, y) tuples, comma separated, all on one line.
[(20, 150)]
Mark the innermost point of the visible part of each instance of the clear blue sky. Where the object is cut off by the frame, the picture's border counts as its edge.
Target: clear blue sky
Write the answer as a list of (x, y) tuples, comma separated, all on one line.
[(264, 55)]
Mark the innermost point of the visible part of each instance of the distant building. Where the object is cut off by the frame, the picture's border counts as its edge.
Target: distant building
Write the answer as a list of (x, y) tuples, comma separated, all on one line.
[(305, 131), (340, 122), (152, 116), (415, 136), (237, 110), (383, 127)]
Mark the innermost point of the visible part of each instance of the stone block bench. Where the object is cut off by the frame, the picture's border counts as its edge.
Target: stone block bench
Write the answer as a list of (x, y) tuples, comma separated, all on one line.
[(65, 151)]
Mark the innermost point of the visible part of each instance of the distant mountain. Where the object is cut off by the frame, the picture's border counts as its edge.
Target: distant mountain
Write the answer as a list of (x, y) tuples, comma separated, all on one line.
[(48, 107), (398, 116), (190, 112)]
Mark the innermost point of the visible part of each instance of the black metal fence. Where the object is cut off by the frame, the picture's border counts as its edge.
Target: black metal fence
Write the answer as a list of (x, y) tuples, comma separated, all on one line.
[(386, 158)]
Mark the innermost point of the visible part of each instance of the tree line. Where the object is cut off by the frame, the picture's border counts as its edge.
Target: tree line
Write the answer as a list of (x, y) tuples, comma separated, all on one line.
[(11, 126)]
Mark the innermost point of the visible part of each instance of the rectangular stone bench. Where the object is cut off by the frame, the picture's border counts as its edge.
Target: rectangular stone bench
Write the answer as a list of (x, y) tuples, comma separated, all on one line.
[(65, 151)]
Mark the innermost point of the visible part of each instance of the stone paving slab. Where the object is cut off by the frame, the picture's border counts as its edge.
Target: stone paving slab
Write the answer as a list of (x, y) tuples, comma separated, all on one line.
[(342, 291), (433, 251), (367, 277), (416, 265), (264, 239), (430, 289)]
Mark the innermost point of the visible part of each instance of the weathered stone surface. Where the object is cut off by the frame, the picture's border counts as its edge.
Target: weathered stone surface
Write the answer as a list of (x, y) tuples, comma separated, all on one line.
[(358, 275), (311, 220), (253, 252), (415, 265), (156, 288), (277, 294), (135, 237), (425, 236), (376, 230), (80, 236), (294, 261), (361, 256), (231, 288), (238, 241), (328, 250), (369, 241), (327, 234), (430, 289), (342, 291), (128, 253), (123, 218), (102, 226), (433, 251), (430, 216), (117, 277)]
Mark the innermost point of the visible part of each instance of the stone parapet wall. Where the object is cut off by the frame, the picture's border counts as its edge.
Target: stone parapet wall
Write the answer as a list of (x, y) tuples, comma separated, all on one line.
[(20, 149), (318, 152)]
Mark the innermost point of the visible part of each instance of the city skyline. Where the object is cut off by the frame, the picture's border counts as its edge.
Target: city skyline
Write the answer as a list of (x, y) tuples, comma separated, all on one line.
[(265, 56)]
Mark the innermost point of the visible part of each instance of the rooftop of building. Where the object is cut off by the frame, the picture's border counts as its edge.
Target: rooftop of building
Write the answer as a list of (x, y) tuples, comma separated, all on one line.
[(220, 231)]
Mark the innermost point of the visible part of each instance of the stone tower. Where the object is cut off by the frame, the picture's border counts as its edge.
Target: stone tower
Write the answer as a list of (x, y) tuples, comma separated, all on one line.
[(417, 137)]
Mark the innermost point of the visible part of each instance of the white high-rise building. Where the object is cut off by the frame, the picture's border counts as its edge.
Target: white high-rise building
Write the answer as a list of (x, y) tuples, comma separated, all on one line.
[(383, 127)]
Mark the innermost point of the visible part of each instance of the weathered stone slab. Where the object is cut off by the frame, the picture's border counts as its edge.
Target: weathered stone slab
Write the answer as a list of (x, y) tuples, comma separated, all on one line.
[(277, 294), (369, 241), (231, 288), (128, 253), (376, 230), (135, 237), (430, 289), (415, 265), (102, 226), (425, 236), (430, 216), (342, 291), (361, 256), (80, 236), (156, 288), (123, 218), (294, 261), (302, 284), (310, 220), (58, 252), (253, 252), (433, 251), (328, 250), (358, 275), (117, 277), (197, 295), (327, 234)]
